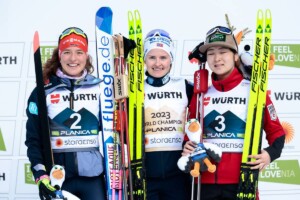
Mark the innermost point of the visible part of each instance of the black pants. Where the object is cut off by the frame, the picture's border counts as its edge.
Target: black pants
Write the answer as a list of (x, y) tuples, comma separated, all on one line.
[(217, 191), (170, 188), (86, 188)]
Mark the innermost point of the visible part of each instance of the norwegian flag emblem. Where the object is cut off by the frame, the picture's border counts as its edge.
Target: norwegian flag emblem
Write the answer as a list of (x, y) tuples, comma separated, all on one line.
[(160, 45)]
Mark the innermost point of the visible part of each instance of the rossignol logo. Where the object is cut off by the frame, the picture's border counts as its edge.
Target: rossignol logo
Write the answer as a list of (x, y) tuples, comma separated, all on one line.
[(55, 98), (165, 95), (2, 144), (229, 100), (287, 96)]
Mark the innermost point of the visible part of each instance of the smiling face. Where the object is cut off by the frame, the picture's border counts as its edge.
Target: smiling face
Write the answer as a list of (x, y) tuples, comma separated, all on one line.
[(221, 61), (73, 61), (158, 63)]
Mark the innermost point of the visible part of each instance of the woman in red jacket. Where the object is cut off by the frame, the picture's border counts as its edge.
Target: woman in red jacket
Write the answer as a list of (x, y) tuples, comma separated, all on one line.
[(225, 113)]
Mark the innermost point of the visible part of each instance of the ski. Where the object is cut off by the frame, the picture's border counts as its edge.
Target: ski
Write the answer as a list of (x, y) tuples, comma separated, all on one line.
[(136, 106), (42, 105), (257, 100), (105, 70)]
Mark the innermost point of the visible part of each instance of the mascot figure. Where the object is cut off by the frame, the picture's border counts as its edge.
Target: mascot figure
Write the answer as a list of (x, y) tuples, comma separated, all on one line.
[(204, 153)]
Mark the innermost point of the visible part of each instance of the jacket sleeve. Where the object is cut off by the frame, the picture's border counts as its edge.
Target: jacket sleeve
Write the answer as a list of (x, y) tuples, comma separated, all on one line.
[(275, 134), (33, 141)]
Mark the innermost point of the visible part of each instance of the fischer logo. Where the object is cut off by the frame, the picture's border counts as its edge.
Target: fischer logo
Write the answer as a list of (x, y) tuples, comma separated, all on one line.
[(140, 65), (131, 71), (263, 85), (256, 65)]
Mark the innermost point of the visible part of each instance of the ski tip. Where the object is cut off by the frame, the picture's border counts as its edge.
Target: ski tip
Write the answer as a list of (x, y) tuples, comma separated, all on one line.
[(260, 14), (137, 15), (105, 9), (104, 19), (268, 14), (130, 16), (36, 41)]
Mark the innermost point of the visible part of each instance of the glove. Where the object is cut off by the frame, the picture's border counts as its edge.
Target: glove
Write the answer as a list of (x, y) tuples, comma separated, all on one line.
[(197, 54), (46, 191)]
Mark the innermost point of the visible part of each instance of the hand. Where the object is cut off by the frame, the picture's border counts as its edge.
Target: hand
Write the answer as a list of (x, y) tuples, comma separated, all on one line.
[(188, 148), (46, 191), (261, 160)]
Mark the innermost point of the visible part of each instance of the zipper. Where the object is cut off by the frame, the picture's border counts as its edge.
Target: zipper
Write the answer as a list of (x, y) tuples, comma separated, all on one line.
[(72, 95)]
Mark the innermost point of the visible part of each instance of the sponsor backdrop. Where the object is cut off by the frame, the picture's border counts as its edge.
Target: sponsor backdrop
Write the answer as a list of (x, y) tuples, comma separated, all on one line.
[(187, 21)]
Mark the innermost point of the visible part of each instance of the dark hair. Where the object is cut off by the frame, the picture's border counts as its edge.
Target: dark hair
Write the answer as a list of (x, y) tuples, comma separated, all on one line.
[(53, 63)]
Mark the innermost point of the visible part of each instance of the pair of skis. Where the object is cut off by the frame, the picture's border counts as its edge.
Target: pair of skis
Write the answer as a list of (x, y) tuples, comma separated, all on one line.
[(136, 106), (257, 101), (122, 123)]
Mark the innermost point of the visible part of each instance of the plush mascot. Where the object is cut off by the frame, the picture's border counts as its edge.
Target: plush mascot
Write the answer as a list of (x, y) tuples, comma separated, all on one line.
[(57, 177), (204, 153)]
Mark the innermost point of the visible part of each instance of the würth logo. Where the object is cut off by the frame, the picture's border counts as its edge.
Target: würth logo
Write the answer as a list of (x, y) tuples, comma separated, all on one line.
[(229, 100), (54, 98), (206, 101)]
